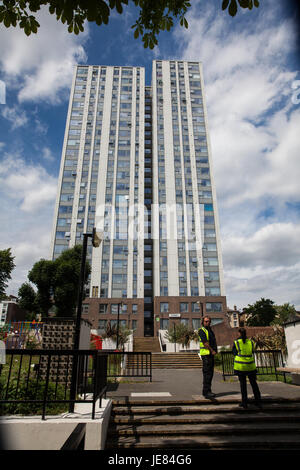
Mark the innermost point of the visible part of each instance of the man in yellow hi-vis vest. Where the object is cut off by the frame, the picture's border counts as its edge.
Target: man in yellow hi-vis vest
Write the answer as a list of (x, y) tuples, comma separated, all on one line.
[(244, 366), (208, 349)]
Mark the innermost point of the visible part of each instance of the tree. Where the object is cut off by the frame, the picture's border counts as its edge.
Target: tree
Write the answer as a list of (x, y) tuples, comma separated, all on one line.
[(283, 312), (66, 280), (57, 282), (154, 15), (262, 313), (28, 298), (6, 267), (42, 275)]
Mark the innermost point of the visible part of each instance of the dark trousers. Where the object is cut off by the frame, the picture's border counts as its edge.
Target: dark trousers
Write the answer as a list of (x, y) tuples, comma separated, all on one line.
[(208, 363), (243, 383)]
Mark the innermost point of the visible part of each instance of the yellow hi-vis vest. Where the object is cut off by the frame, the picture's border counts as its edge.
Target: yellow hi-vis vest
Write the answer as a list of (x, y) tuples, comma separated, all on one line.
[(244, 361), (203, 351)]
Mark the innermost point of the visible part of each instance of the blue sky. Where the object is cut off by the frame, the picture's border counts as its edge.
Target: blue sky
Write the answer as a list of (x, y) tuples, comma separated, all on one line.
[(252, 77)]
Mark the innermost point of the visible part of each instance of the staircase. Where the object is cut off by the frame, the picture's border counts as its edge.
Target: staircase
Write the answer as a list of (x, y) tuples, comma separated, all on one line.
[(176, 361), (204, 425), (148, 344)]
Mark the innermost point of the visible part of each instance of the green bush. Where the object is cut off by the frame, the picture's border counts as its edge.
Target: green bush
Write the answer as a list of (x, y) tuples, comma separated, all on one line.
[(32, 390)]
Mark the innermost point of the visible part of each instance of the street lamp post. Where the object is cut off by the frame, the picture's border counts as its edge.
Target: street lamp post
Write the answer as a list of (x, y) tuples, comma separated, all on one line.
[(201, 308), (96, 241), (118, 318)]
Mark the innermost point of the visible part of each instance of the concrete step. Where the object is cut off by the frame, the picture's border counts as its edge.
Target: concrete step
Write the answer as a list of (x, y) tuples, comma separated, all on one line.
[(244, 442), (176, 361), (244, 417), (169, 361), (197, 424), (201, 410), (205, 428)]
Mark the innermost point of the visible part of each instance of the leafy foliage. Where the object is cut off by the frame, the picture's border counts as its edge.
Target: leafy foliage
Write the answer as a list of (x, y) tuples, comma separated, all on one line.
[(111, 332), (57, 282), (27, 298), (283, 313), (179, 333), (275, 341), (262, 313), (6, 267), (30, 390), (233, 7), (154, 15)]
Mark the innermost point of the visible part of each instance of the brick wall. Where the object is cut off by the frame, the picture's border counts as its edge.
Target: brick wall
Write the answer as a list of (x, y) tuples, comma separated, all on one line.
[(225, 335)]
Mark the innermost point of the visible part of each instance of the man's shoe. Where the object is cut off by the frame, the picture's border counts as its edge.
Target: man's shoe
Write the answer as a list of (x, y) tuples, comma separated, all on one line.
[(258, 404), (243, 405), (209, 395)]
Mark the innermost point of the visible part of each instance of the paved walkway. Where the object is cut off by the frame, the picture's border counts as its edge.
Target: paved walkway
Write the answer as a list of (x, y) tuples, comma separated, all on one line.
[(186, 384)]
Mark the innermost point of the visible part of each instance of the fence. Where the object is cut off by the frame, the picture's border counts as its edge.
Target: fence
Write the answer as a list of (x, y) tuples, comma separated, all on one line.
[(129, 364), (267, 363), (36, 381)]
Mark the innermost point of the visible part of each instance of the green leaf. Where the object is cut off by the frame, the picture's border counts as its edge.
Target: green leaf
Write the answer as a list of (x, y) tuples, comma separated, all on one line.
[(27, 29), (7, 20), (256, 3), (186, 23), (225, 4), (250, 4), (244, 3), (119, 7), (232, 8), (136, 34)]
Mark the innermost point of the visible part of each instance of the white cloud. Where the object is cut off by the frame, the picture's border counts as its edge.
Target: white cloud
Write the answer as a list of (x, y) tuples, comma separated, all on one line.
[(30, 186), (274, 244), (15, 115), (41, 65), (254, 132), (27, 207)]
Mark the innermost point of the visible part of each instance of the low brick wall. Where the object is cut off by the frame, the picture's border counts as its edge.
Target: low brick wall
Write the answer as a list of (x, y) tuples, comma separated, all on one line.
[(225, 335)]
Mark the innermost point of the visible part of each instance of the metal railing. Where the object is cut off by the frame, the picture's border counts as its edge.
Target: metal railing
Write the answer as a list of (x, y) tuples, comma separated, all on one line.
[(267, 363), (129, 364), (33, 382)]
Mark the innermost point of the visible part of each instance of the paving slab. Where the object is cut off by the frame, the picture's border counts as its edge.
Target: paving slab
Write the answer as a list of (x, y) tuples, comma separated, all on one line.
[(186, 384)]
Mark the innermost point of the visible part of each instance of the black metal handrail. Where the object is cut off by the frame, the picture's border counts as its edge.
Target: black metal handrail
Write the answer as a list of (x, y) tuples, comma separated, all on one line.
[(129, 364), (267, 363), (33, 381)]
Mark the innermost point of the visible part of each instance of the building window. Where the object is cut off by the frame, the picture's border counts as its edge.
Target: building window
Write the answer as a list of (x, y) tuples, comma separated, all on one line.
[(184, 321), (213, 306), (184, 307), (114, 308), (95, 291), (164, 307), (103, 308), (102, 325), (195, 307), (215, 321), (134, 309), (164, 323), (85, 309), (196, 323)]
